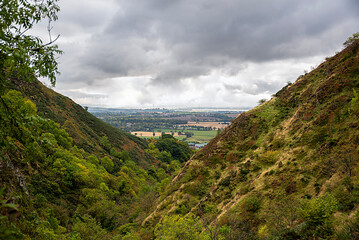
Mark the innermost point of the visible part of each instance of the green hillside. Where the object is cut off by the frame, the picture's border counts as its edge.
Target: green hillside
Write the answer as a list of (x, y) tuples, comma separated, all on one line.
[(85, 129), (67, 175), (287, 169), (51, 188)]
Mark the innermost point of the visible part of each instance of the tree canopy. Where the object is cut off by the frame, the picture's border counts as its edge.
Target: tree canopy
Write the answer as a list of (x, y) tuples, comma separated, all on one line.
[(21, 54), (351, 39)]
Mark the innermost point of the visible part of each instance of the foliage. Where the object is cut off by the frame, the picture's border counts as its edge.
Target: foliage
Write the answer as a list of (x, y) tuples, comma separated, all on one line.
[(351, 39), (25, 54), (261, 101), (354, 104), (64, 191), (7, 230), (105, 143), (251, 204), (282, 217), (165, 157), (317, 215), (107, 163), (88, 228), (287, 169), (317, 211), (93, 159), (269, 157), (65, 179), (178, 150), (350, 229), (289, 164), (85, 129), (176, 227)]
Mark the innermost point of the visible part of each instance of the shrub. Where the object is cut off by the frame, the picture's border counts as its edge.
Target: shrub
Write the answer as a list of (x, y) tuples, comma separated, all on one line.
[(107, 163), (269, 157), (197, 188), (351, 39), (251, 204), (225, 181), (354, 104), (350, 229), (93, 159), (176, 227), (317, 211), (105, 143)]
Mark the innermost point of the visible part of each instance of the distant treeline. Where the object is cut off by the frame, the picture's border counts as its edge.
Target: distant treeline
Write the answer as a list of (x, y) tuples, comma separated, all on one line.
[(142, 124), (151, 122)]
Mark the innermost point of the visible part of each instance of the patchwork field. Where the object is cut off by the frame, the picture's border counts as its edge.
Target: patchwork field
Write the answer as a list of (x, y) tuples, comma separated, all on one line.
[(197, 136), (188, 126), (207, 124), (151, 134), (201, 136)]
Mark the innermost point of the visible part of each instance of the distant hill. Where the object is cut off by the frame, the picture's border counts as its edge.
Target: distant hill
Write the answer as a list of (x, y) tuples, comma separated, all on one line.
[(287, 169)]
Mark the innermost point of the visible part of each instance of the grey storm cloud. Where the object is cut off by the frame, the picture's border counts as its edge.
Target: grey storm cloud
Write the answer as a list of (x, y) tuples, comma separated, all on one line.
[(173, 40), (156, 36)]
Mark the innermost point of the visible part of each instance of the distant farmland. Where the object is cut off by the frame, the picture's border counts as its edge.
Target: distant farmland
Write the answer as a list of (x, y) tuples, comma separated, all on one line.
[(151, 134), (198, 136), (187, 126), (207, 124)]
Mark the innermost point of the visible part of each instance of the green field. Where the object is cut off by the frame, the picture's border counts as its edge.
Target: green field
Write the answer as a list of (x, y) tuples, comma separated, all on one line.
[(201, 136), (179, 137), (198, 136)]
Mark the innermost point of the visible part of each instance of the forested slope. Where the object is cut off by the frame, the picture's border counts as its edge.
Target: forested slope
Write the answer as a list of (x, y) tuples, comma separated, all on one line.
[(74, 177), (86, 130), (63, 173), (287, 169)]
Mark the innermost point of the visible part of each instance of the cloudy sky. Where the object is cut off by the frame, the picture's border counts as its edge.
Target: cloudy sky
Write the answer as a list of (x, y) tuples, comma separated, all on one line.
[(194, 53)]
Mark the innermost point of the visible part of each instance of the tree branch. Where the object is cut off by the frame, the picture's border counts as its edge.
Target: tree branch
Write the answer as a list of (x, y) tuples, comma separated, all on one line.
[(44, 45)]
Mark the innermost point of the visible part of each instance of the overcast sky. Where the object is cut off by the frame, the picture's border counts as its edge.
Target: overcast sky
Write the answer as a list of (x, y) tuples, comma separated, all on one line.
[(194, 53)]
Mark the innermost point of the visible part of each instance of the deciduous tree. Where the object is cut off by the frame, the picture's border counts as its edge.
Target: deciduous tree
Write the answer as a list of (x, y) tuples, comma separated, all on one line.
[(22, 54)]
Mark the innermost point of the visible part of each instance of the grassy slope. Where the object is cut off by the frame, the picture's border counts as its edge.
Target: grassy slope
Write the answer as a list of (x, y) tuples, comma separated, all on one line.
[(298, 145), (83, 127)]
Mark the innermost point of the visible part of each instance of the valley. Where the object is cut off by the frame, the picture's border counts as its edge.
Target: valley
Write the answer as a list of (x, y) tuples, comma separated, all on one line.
[(292, 159), (286, 168), (188, 125)]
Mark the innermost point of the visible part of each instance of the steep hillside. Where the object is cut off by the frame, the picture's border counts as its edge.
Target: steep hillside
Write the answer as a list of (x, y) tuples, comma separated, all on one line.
[(86, 130), (64, 174), (53, 188), (287, 169)]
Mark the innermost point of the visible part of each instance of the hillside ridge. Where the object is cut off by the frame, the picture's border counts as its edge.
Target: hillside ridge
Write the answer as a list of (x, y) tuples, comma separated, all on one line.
[(300, 145), (85, 129)]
